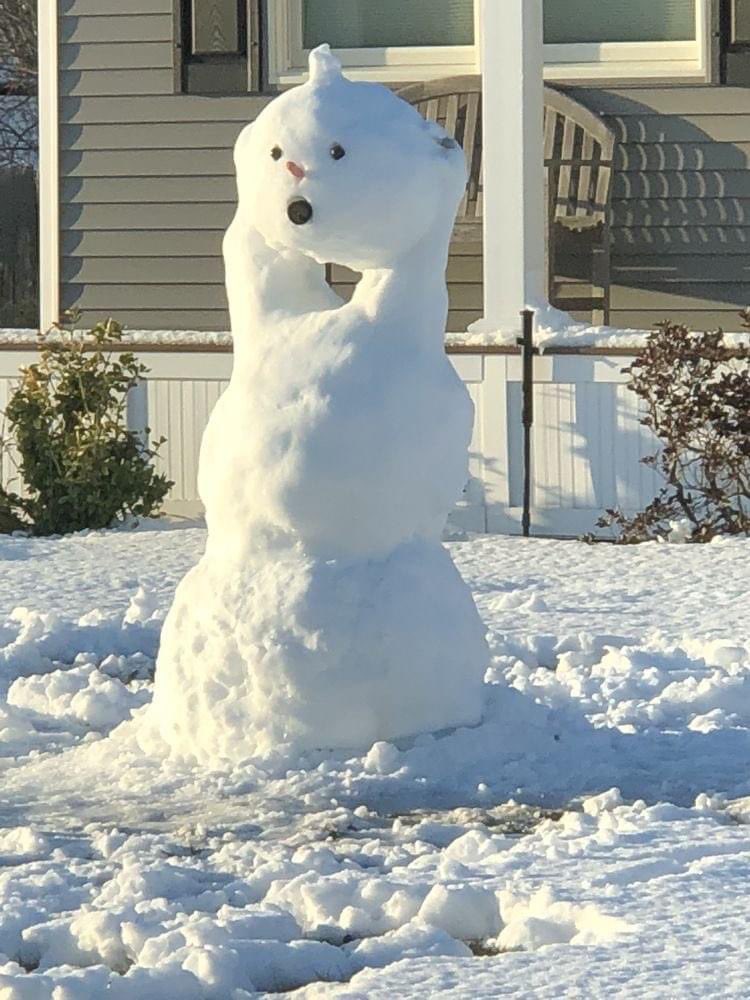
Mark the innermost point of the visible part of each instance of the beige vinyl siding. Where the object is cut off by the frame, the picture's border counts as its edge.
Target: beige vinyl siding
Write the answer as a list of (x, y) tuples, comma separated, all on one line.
[(681, 203), (465, 286)]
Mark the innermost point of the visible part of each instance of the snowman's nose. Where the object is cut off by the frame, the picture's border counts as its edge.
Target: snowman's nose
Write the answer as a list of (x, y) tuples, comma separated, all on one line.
[(295, 169)]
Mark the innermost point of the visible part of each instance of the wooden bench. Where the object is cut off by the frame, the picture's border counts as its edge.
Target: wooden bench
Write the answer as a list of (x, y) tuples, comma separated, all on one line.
[(578, 157)]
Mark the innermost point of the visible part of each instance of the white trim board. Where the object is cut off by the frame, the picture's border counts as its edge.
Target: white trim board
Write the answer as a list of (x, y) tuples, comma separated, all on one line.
[(49, 167)]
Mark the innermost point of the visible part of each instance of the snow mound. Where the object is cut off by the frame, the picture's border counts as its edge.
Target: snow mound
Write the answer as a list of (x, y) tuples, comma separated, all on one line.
[(24, 841), (83, 694), (698, 684), (325, 612), (465, 912), (412, 940), (540, 920)]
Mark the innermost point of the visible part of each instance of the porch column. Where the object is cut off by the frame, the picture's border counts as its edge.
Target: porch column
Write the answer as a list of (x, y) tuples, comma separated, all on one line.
[(512, 60), (49, 172)]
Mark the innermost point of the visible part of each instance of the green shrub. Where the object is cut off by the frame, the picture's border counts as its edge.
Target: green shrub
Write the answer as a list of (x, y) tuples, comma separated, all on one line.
[(67, 423)]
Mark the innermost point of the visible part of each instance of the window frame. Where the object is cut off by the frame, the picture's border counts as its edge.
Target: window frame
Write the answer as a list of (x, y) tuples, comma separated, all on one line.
[(689, 60), (218, 73), (287, 56)]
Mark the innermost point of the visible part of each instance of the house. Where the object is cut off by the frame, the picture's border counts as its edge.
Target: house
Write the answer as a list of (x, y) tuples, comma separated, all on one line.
[(141, 101)]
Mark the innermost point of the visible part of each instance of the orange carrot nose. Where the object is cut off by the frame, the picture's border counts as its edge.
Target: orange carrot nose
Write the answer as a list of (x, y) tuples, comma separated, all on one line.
[(295, 169)]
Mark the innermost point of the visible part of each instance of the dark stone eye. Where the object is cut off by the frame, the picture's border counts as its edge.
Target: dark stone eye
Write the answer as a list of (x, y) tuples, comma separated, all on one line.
[(276, 153), (337, 151)]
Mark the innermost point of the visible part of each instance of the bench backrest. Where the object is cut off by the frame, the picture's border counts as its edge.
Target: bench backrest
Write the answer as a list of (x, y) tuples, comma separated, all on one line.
[(578, 146), (579, 150), (456, 104)]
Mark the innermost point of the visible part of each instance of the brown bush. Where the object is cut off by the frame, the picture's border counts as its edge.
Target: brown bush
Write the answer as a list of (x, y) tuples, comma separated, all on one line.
[(696, 391)]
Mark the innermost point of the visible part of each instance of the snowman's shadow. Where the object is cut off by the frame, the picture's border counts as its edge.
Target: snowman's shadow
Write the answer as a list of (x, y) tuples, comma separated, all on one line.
[(529, 753)]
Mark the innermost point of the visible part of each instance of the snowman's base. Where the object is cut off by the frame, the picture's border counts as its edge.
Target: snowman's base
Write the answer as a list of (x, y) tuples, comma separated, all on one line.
[(315, 654)]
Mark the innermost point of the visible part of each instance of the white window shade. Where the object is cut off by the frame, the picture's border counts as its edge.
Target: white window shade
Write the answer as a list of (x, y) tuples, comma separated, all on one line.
[(358, 24), (581, 21)]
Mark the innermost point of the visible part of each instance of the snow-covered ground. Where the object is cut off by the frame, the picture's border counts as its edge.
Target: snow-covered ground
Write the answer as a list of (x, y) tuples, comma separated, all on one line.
[(485, 862)]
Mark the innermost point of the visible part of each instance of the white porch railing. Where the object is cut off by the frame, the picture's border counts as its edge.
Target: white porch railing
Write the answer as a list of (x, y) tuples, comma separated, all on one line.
[(587, 440)]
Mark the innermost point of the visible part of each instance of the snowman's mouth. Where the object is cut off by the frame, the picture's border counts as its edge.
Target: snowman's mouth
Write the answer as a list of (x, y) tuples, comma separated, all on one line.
[(299, 211)]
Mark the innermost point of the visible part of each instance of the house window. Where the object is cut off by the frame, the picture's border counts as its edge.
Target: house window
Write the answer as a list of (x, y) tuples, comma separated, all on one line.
[(214, 45), (572, 22), (403, 40), (391, 40), (360, 24), (637, 39)]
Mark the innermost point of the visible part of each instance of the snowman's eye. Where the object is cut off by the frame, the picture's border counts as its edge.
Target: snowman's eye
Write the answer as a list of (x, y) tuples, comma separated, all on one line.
[(276, 153), (337, 151)]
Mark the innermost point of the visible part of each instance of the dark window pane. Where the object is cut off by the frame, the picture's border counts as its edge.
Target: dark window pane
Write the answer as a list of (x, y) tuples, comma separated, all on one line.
[(215, 25), (570, 21), (356, 24)]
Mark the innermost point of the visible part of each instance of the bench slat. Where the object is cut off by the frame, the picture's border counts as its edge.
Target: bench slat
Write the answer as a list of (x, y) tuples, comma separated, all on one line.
[(583, 197), (564, 192)]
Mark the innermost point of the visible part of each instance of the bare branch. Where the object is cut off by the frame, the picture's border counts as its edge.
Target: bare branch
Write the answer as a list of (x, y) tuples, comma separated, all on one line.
[(696, 393), (18, 83), (18, 47)]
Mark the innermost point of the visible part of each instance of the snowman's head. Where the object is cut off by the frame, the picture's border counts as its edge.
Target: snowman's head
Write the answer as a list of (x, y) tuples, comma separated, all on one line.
[(346, 171)]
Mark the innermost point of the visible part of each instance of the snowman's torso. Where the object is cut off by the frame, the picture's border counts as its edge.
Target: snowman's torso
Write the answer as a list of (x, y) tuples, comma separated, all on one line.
[(335, 432)]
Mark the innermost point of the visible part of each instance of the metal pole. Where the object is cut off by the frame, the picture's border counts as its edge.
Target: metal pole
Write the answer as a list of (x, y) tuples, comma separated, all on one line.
[(527, 354)]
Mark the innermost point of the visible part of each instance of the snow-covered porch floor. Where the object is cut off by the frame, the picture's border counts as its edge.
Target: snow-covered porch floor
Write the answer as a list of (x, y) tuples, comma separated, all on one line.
[(614, 668)]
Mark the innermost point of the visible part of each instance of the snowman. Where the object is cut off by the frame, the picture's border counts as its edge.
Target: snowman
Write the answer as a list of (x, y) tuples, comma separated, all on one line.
[(325, 612)]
